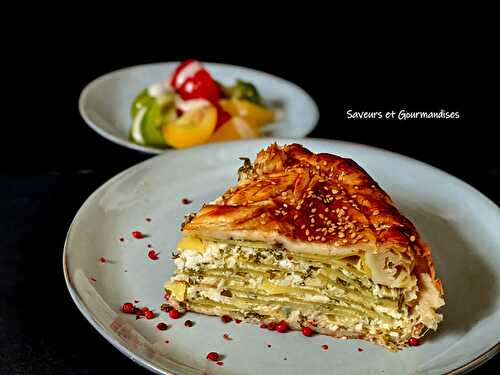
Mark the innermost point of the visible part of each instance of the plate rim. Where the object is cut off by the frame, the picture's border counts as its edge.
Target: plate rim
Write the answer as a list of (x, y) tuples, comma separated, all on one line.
[(139, 359), (155, 151)]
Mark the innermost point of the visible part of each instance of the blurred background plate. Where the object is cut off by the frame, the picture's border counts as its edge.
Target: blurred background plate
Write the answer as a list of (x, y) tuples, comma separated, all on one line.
[(105, 102)]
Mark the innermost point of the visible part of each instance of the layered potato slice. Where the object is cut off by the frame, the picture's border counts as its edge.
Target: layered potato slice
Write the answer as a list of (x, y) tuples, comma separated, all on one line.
[(302, 238)]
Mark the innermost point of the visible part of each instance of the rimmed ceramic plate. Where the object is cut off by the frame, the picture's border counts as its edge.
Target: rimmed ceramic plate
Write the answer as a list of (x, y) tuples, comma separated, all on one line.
[(105, 102), (459, 223)]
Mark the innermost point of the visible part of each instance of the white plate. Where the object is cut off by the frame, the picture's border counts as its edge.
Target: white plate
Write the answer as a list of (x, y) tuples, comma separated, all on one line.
[(459, 223), (105, 102)]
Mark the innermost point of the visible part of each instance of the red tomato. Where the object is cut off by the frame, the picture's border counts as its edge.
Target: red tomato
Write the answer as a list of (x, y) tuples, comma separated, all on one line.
[(200, 85), (182, 65)]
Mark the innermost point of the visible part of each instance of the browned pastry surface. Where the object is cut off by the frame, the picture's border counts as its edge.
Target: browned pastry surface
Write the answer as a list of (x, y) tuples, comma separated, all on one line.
[(308, 202)]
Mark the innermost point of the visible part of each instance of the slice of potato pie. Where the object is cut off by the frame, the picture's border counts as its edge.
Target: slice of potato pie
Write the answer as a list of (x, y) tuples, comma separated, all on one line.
[(312, 240)]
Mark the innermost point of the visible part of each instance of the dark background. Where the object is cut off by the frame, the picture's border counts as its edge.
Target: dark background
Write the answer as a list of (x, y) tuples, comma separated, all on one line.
[(52, 161)]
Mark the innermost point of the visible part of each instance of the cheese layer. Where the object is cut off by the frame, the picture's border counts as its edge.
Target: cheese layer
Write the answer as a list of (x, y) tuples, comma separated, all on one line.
[(252, 282)]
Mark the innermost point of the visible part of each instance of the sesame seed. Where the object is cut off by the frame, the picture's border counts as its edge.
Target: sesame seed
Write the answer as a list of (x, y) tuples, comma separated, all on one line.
[(344, 240), (285, 205), (341, 234), (376, 212), (302, 226), (317, 238), (321, 216), (365, 240), (295, 217), (313, 210), (325, 163), (344, 207), (353, 235), (323, 239), (335, 191), (307, 232), (312, 220), (327, 209), (412, 238)]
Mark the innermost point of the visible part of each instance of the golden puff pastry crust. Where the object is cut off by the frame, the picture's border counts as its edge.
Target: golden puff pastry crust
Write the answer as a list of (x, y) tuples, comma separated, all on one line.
[(311, 203)]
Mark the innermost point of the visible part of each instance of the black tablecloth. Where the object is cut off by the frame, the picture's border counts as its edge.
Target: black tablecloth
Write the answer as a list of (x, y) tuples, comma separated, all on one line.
[(56, 162)]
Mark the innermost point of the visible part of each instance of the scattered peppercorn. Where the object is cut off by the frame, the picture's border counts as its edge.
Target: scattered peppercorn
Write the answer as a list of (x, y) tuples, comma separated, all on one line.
[(324, 347), (188, 323), (413, 341), (174, 314), (186, 201), (128, 308), (226, 318), (237, 321), (282, 327), (213, 356), (271, 326), (162, 326), (137, 234), (307, 331), (153, 255)]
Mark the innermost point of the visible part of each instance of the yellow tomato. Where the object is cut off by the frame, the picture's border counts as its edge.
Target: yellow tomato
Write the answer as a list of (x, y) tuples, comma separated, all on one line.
[(236, 128), (244, 108), (192, 128)]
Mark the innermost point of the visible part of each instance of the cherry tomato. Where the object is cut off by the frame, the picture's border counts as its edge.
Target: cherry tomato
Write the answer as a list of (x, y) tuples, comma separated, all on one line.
[(192, 81), (200, 85), (182, 65)]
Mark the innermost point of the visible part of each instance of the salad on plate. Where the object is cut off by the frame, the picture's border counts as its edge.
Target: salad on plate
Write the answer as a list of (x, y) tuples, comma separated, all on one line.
[(192, 108)]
